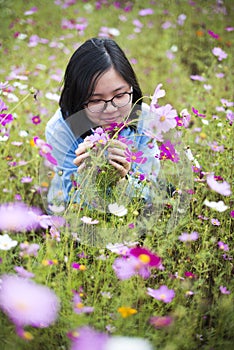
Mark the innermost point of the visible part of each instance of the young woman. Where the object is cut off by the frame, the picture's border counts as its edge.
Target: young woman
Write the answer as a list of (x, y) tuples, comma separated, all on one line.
[(100, 90)]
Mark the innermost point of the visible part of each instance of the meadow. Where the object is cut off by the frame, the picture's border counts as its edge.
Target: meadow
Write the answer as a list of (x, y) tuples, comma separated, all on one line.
[(125, 275)]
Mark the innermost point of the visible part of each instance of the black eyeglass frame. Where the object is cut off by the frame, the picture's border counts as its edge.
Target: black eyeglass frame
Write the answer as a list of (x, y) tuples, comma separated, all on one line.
[(111, 101)]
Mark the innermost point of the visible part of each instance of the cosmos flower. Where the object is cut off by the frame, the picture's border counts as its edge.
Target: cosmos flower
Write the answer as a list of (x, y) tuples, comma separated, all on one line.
[(219, 53), (18, 217), (160, 321), (27, 303), (145, 256), (117, 210), (79, 307), (158, 93), (45, 150), (167, 151), (88, 339), (188, 237), (27, 249), (89, 221), (6, 243), (126, 267), (196, 112), (215, 222), (22, 272), (146, 12), (139, 261), (163, 293), (135, 157), (219, 206), (36, 119), (224, 290), (223, 246), (212, 34), (219, 187), (164, 118)]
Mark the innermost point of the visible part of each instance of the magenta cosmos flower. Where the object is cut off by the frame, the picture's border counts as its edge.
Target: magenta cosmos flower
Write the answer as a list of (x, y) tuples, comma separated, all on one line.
[(167, 151), (138, 262), (163, 293), (145, 256), (135, 157), (27, 303)]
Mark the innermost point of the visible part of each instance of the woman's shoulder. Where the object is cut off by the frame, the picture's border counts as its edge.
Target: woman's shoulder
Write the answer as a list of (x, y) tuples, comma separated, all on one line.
[(57, 118), (55, 122)]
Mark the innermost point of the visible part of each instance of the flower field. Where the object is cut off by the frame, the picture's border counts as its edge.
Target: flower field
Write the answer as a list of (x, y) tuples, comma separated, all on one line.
[(112, 271)]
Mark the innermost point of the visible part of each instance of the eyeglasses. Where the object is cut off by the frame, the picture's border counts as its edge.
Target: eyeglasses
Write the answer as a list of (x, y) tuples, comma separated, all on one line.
[(118, 101)]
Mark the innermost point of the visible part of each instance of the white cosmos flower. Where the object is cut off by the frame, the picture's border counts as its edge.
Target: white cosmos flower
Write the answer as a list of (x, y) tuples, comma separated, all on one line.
[(117, 210), (6, 243), (122, 343), (219, 206)]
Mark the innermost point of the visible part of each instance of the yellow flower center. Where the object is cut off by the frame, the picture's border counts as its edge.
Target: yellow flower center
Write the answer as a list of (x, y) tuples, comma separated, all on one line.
[(162, 118), (144, 258), (27, 335), (162, 296), (134, 157), (79, 305)]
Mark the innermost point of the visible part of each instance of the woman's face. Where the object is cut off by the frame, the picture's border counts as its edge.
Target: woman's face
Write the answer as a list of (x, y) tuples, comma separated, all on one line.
[(110, 84)]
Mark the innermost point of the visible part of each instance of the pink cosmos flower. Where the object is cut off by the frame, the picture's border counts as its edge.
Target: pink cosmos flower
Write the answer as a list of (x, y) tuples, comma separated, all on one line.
[(27, 303), (27, 249), (126, 267), (218, 52), (223, 246), (22, 272), (163, 293), (86, 338), (139, 261), (188, 237), (164, 118), (219, 187), (160, 321), (79, 307), (45, 150), (197, 77), (158, 93), (224, 290), (135, 157), (26, 179), (146, 12), (215, 222), (98, 137), (18, 217)]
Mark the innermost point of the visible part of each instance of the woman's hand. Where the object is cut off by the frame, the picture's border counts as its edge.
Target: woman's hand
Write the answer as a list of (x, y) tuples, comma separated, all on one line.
[(117, 158), (82, 154)]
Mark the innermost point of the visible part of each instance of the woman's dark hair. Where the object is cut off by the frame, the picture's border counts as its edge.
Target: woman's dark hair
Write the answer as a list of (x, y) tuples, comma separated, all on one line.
[(86, 65)]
